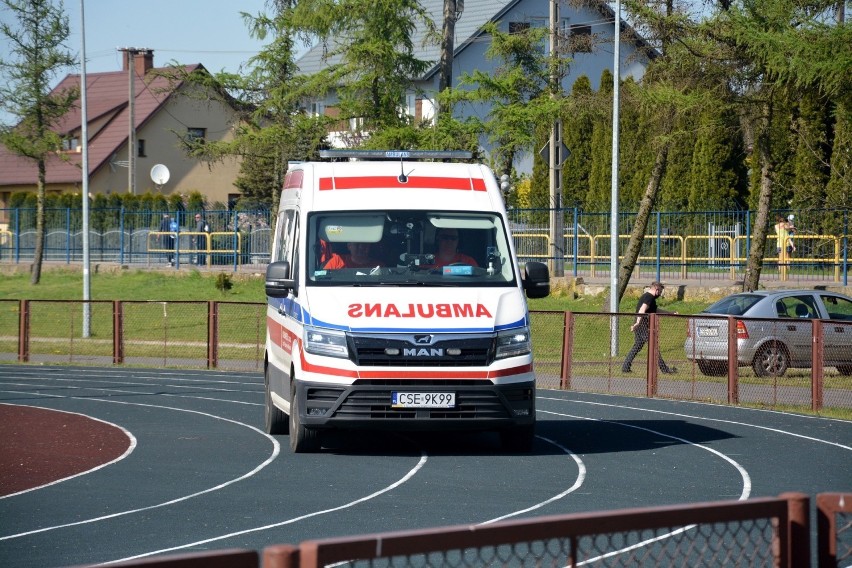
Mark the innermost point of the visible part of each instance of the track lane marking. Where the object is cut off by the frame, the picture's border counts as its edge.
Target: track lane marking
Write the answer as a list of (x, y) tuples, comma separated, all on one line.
[(399, 482), (275, 452)]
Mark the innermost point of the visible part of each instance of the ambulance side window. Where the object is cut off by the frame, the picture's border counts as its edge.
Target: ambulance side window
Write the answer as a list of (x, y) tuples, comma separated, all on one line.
[(286, 227)]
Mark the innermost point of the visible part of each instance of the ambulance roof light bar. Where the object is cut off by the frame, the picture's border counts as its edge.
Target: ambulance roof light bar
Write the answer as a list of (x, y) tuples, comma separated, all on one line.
[(397, 154)]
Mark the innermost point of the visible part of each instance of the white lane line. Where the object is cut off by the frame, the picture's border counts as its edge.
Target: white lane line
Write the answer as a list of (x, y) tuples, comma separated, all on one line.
[(746, 491), (126, 453), (746, 479), (138, 392), (275, 451), (581, 477), (94, 385), (399, 482), (724, 421)]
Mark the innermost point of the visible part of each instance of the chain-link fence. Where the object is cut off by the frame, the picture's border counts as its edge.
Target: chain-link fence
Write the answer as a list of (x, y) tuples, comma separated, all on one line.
[(787, 362), (752, 533), (223, 335), (775, 362)]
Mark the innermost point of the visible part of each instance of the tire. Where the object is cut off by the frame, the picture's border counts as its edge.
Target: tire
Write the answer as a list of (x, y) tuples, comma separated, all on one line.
[(518, 439), (771, 360), (712, 368), (845, 370), (275, 420), (302, 440)]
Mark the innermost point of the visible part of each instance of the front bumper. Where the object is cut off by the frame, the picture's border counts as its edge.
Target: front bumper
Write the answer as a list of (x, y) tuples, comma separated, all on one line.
[(480, 405)]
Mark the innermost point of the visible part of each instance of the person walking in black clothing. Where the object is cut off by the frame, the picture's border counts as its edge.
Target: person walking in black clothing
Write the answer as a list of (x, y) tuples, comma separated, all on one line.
[(641, 327), (201, 226), (168, 237)]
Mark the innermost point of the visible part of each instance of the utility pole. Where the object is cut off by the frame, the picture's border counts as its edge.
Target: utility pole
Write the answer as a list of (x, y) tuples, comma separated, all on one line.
[(130, 57), (557, 232), (452, 12)]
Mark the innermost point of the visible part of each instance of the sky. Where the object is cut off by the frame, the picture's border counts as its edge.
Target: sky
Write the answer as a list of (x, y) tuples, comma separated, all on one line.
[(210, 32)]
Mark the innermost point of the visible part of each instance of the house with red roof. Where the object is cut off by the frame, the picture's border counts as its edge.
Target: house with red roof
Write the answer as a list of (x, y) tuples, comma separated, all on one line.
[(162, 119)]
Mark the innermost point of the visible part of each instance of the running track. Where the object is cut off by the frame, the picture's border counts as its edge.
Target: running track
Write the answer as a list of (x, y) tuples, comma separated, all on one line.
[(100, 465)]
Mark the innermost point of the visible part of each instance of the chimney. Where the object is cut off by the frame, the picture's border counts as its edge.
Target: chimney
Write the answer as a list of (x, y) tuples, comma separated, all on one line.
[(143, 60)]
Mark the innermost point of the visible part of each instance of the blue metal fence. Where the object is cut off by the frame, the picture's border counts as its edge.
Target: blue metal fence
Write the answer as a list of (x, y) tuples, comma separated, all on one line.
[(709, 245)]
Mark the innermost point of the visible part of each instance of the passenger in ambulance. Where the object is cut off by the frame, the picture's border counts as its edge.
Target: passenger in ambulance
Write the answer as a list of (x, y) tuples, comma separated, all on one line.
[(447, 242), (358, 257)]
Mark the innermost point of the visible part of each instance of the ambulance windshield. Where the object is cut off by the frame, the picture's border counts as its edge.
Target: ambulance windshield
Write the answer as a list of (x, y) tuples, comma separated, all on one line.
[(408, 248)]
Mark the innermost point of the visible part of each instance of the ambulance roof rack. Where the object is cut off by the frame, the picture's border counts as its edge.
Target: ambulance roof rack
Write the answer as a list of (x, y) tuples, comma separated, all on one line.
[(397, 154)]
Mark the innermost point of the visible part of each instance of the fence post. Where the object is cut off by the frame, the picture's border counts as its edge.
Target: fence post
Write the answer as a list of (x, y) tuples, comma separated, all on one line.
[(733, 366), (280, 556), (212, 334), (24, 332), (117, 332), (817, 368), (653, 355), (567, 348), (798, 529)]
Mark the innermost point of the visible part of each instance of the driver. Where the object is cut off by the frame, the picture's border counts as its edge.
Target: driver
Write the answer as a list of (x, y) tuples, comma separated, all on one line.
[(447, 241), (358, 257)]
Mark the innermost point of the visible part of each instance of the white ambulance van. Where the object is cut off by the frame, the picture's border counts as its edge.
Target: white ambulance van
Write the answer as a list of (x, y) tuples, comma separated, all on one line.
[(395, 301)]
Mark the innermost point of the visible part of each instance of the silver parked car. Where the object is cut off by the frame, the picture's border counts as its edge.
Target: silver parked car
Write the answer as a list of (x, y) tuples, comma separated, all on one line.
[(779, 337)]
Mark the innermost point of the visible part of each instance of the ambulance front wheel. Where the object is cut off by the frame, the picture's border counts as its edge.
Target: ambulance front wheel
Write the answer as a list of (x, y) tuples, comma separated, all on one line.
[(302, 440), (275, 420), (518, 439)]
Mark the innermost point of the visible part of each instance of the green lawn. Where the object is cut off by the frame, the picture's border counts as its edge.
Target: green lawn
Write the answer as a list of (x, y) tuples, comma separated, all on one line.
[(132, 285), (193, 285)]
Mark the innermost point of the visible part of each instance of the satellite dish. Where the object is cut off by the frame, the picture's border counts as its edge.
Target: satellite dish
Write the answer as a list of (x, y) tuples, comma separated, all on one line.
[(160, 174)]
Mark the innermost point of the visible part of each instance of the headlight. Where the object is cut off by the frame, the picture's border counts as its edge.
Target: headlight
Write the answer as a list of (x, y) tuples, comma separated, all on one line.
[(325, 342), (512, 343)]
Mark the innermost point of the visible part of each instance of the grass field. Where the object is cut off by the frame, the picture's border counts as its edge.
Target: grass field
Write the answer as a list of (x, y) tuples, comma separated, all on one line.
[(192, 285)]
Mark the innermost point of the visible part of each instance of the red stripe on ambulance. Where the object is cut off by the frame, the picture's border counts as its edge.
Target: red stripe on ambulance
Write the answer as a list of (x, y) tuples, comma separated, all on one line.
[(414, 182)]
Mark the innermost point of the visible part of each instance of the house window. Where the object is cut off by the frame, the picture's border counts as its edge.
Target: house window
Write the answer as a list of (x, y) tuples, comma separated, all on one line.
[(409, 105), (70, 144), (140, 148), (580, 39), (518, 27), (316, 108), (196, 134)]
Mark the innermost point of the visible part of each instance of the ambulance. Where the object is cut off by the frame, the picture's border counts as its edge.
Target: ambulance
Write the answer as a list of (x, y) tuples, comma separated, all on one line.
[(375, 322)]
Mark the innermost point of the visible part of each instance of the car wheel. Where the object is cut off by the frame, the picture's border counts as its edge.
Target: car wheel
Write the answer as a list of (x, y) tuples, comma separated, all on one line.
[(845, 370), (771, 360), (302, 440), (518, 439), (713, 368), (275, 420)]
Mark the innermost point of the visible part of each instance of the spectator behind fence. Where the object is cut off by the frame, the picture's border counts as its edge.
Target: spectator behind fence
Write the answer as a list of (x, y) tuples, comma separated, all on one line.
[(167, 239), (784, 230), (201, 226)]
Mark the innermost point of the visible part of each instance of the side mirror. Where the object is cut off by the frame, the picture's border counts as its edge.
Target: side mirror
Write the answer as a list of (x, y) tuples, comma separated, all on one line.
[(536, 280), (278, 279)]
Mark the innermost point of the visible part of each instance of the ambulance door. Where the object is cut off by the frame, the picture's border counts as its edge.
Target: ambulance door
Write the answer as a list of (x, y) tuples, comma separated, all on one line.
[(284, 315)]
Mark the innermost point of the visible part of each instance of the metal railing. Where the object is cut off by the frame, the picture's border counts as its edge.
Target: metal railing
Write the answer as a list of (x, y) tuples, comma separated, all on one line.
[(706, 245), (770, 532), (573, 351)]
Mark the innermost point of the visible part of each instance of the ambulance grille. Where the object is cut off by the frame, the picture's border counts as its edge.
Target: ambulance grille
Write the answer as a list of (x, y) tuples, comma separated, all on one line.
[(379, 352), (375, 404)]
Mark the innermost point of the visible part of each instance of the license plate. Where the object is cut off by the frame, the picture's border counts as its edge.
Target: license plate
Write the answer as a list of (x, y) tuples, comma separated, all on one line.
[(708, 331), (423, 399)]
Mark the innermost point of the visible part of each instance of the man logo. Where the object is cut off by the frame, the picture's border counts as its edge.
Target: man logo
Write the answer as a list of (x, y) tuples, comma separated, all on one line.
[(423, 352), (423, 339)]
